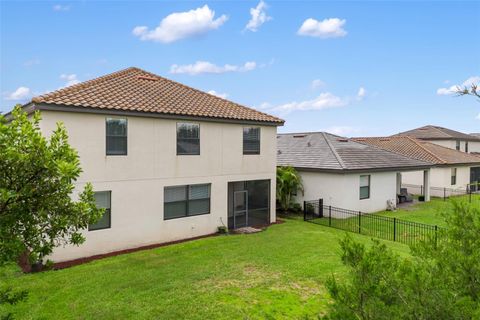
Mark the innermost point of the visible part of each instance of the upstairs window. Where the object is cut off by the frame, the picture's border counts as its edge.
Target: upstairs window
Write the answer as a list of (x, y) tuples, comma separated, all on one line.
[(184, 201), (457, 145), (116, 136), (188, 139), (466, 146), (251, 140), (453, 179), (364, 187), (102, 200)]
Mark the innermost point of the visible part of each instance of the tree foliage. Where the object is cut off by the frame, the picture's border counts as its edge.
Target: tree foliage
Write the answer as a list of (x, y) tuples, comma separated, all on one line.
[(439, 281), (473, 90), (37, 175), (289, 183)]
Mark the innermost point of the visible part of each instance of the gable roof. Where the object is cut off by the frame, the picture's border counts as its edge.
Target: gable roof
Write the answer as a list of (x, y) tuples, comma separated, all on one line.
[(421, 150), (323, 151), (136, 90), (437, 133)]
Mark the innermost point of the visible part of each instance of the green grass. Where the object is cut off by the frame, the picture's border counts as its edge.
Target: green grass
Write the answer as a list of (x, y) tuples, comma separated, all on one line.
[(428, 212), (276, 274), (426, 216)]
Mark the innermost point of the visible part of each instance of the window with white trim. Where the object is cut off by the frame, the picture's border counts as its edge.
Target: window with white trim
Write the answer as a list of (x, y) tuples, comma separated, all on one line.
[(187, 200), (364, 187)]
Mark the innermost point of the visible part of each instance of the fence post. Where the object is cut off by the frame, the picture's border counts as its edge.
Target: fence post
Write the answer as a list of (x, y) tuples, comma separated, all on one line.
[(359, 221), (329, 216), (304, 210), (436, 230), (320, 208), (394, 229), (469, 190), (444, 194)]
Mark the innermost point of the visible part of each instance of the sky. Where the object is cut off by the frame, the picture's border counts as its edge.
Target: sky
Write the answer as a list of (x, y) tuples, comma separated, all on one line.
[(353, 68)]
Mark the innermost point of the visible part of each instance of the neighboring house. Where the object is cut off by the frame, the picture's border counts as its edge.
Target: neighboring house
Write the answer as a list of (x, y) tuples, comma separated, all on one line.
[(478, 151), (452, 169), (445, 137), (345, 173), (168, 162)]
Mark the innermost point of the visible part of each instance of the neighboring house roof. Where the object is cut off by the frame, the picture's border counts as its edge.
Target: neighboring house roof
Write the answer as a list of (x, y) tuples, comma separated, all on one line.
[(321, 151), (421, 150), (138, 91), (475, 134), (437, 133)]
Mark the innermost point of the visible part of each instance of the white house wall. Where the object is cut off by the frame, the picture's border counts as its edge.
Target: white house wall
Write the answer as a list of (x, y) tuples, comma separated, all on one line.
[(343, 190), (440, 177), (452, 144), (137, 180)]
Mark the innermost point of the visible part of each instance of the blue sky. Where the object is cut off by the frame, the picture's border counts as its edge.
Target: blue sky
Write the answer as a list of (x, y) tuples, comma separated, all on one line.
[(351, 68)]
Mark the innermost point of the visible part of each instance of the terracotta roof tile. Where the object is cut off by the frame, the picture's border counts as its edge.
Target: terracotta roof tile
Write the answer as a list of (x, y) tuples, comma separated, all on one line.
[(437, 133), (134, 89), (420, 150)]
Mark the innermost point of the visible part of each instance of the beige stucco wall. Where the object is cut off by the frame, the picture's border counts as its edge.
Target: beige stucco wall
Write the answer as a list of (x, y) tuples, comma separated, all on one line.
[(138, 179), (440, 178), (472, 146), (343, 190)]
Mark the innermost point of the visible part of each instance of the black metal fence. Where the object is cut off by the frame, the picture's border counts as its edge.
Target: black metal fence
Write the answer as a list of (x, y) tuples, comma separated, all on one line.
[(369, 224), (471, 192)]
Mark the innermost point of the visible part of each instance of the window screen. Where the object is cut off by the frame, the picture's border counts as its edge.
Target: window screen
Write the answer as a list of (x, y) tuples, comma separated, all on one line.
[(189, 200), (453, 180), (364, 187), (251, 140), (188, 139), (102, 200), (116, 136)]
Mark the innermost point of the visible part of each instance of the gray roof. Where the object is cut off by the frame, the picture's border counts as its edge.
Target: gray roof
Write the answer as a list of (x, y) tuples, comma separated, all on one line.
[(437, 133), (321, 151), (475, 134)]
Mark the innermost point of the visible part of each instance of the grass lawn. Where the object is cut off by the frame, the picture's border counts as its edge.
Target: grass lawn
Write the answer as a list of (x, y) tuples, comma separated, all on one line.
[(275, 274), (427, 212)]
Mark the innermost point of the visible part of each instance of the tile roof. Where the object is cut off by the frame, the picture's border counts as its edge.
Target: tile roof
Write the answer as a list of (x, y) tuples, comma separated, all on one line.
[(437, 133), (421, 150), (137, 90), (327, 152)]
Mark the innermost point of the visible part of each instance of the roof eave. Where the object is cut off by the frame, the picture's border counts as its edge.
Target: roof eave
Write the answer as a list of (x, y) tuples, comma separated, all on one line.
[(364, 170), (133, 113)]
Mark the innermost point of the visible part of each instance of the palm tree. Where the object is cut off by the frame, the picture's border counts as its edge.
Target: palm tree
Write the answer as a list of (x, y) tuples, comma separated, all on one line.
[(289, 183)]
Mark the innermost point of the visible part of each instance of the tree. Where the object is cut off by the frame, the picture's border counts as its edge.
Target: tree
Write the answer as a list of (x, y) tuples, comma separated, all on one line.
[(289, 183), (37, 210), (474, 90), (439, 281)]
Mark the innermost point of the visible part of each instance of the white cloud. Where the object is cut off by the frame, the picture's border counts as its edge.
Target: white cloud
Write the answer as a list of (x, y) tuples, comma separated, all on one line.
[(22, 93), (218, 94), (325, 100), (259, 16), (180, 25), (71, 79), (328, 28), (200, 67), (59, 7), (341, 130), (317, 83), (361, 93), (453, 89)]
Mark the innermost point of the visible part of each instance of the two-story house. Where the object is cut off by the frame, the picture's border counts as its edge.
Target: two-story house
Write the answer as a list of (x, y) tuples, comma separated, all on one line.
[(451, 169), (167, 162), (445, 137)]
